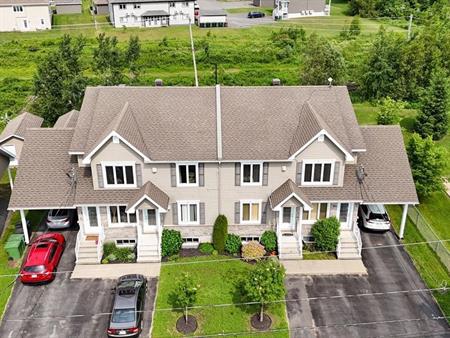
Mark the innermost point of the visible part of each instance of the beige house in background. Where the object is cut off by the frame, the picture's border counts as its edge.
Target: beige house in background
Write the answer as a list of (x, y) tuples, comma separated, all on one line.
[(136, 160), (25, 15)]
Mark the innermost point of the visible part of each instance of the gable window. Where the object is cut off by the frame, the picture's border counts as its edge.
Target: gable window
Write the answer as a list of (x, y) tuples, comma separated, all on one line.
[(17, 8), (188, 212), (122, 6), (187, 174), (251, 212), (251, 173), (119, 175), (137, 6), (118, 216), (317, 172)]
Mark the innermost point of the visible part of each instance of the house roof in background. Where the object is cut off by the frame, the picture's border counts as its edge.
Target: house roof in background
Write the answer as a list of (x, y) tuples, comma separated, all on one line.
[(101, 2), (143, 1), (18, 126), (213, 12), (68, 120), (67, 2), (23, 2), (155, 13)]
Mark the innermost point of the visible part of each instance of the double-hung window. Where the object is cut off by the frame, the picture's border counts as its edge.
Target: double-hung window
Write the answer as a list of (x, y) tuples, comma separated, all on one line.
[(251, 212), (188, 212), (318, 211), (17, 8), (251, 173), (118, 216), (122, 6), (119, 175), (317, 172), (187, 174)]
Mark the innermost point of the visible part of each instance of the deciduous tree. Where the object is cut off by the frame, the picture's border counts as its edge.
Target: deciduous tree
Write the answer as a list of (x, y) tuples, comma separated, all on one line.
[(108, 62), (185, 294)]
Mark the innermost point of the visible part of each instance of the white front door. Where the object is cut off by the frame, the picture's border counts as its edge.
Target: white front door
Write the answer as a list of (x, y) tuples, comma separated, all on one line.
[(288, 218), (344, 214), (91, 218), (150, 220)]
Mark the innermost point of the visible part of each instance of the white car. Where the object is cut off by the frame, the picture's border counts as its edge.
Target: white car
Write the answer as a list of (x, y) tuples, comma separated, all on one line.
[(374, 217)]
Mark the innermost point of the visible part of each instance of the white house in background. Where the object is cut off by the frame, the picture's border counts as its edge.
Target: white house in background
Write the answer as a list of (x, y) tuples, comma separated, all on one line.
[(24, 15), (212, 18), (290, 9), (150, 13)]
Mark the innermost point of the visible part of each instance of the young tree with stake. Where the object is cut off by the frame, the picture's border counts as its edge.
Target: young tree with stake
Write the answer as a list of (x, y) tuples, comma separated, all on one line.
[(185, 294)]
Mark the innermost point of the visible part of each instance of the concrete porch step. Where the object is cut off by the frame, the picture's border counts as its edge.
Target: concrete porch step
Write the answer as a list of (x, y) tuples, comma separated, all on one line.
[(88, 244), (82, 254), (92, 249), (87, 260)]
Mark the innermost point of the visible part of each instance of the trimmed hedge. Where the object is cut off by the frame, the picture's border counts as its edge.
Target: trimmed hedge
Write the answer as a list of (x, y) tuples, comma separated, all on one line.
[(326, 234), (171, 242), (220, 232), (269, 240), (233, 244)]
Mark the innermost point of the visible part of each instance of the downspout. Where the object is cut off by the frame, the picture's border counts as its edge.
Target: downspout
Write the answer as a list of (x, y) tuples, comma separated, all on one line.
[(219, 148)]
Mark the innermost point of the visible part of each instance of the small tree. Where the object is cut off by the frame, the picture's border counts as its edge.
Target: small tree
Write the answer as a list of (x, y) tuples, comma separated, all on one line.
[(389, 111), (108, 61), (132, 55), (355, 27), (427, 160), (185, 293), (265, 284), (220, 232), (326, 233)]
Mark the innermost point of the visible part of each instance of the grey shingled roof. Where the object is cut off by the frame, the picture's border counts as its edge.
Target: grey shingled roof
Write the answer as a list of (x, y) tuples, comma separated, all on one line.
[(18, 125), (23, 2), (213, 12), (68, 120), (179, 123), (155, 13), (42, 180), (284, 191), (67, 2), (153, 192)]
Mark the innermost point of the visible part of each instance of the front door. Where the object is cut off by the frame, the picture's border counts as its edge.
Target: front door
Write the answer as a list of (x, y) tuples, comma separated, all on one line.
[(91, 220), (345, 215), (150, 221), (288, 220)]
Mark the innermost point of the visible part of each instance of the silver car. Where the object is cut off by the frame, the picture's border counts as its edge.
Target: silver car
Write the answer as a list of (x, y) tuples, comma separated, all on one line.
[(60, 218), (374, 217)]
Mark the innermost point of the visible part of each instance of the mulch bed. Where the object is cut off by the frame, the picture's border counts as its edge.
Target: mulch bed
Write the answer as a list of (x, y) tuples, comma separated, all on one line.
[(188, 327), (258, 325)]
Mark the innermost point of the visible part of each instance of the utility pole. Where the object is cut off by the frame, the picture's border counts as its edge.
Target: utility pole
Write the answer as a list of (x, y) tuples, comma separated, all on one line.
[(193, 53), (410, 26)]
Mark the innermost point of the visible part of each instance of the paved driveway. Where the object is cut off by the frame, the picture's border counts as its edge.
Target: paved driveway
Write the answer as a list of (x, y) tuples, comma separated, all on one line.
[(390, 269), (66, 307)]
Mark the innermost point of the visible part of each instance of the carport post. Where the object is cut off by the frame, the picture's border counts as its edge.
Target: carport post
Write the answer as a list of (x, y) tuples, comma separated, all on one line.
[(24, 226), (403, 222)]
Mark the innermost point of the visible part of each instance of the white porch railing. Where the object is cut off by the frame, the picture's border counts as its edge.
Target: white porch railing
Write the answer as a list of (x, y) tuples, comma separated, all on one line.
[(338, 248), (357, 234), (100, 241), (139, 232), (80, 237)]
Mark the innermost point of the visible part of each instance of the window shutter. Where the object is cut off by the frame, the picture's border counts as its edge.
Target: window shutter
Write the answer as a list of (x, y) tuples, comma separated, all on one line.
[(173, 175), (237, 173), (202, 213), (237, 212), (264, 213), (100, 176), (174, 213), (336, 173), (265, 178), (201, 174), (298, 176), (138, 174)]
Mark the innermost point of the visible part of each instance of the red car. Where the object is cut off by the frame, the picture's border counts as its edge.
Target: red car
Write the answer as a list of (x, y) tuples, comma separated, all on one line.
[(42, 259)]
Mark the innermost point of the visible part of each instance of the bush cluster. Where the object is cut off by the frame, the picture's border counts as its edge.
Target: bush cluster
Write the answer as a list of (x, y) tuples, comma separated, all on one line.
[(252, 251), (113, 254), (206, 248), (326, 234), (269, 240), (233, 244), (171, 242)]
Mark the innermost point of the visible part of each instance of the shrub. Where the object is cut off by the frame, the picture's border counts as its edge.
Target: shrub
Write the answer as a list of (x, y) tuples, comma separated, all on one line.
[(326, 234), (206, 248), (389, 111), (220, 233), (233, 244), (252, 251), (113, 254), (269, 240), (171, 242)]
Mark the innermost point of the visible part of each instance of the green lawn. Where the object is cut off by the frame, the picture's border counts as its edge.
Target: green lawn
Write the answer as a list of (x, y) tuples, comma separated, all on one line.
[(74, 19), (432, 271), (217, 284), (317, 255)]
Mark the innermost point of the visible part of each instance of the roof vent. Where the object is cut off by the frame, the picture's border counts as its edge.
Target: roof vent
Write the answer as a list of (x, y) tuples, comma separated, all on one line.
[(276, 82), (158, 83)]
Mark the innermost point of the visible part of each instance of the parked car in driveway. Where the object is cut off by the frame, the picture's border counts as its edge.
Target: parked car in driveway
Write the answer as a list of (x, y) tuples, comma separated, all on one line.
[(374, 217), (42, 259), (129, 301), (253, 15), (60, 218)]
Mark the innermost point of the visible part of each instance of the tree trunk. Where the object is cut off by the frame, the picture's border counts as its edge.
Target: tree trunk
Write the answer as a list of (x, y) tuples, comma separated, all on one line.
[(261, 314), (186, 315)]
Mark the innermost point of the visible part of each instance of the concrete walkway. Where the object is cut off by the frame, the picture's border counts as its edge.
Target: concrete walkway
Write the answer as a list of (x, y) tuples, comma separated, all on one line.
[(325, 267), (114, 271)]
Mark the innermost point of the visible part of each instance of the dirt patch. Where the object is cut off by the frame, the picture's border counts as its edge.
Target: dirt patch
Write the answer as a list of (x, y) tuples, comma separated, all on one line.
[(261, 325), (188, 327)]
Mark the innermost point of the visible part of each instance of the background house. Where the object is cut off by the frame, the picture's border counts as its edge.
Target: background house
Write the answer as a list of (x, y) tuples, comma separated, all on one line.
[(212, 18), (24, 15), (150, 13), (289, 9), (68, 6), (264, 3), (101, 7)]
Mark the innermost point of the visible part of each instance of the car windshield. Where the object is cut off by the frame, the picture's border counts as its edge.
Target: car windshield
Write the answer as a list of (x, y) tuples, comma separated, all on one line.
[(123, 316), (382, 217), (59, 213), (34, 268)]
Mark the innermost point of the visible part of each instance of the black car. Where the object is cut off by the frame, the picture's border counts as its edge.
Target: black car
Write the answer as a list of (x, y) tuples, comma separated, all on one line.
[(126, 315), (252, 15)]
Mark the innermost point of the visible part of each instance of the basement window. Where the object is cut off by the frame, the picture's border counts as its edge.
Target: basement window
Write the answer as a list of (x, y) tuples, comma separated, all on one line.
[(246, 239), (126, 243), (190, 242)]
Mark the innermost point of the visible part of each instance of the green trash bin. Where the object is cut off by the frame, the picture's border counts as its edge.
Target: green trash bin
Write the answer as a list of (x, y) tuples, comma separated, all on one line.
[(16, 237), (14, 249)]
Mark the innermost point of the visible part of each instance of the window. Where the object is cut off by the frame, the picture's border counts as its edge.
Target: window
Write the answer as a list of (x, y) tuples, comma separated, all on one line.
[(137, 6), (185, 4), (25, 24), (118, 216), (18, 9), (251, 173), (119, 175), (188, 212), (246, 239), (42, 21), (343, 212), (318, 211), (289, 215), (125, 242), (92, 216), (150, 216), (190, 242), (172, 4), (251, 212), (317, 173), (187, 174), (122, 6)]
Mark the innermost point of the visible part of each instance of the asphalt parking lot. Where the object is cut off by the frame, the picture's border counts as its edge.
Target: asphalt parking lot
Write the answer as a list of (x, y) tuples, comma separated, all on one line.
[(386, 315), (65, 307)]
